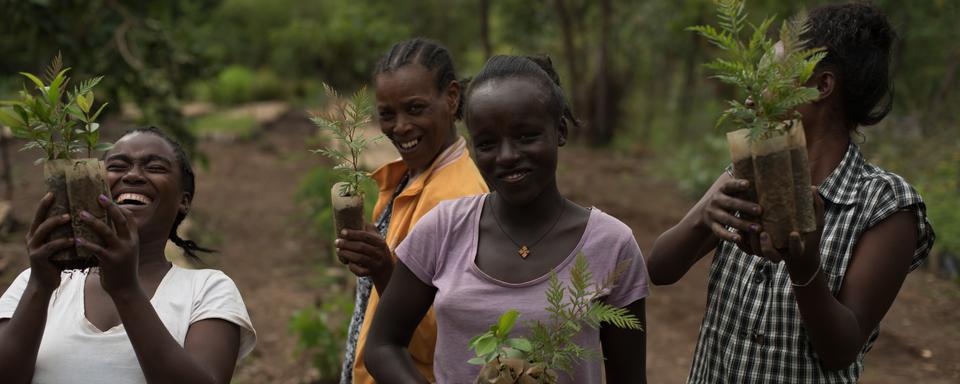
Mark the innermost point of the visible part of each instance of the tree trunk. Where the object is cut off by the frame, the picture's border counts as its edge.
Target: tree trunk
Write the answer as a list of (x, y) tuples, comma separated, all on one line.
[(570, 54), (485, 28), (7, 168), (687, 89), (602, 129)]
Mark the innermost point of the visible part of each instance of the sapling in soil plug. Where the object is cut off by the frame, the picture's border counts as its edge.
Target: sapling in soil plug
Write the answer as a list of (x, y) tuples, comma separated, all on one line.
[(768, 148), (62, 123), (344, 119), (539, 358)]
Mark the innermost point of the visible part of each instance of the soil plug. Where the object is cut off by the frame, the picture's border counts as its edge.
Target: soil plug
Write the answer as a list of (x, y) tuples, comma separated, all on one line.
[(806, 219), (772, 164)]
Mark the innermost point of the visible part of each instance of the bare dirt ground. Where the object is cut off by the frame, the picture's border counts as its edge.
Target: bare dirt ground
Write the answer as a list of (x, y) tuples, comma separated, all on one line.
[(245, 208)]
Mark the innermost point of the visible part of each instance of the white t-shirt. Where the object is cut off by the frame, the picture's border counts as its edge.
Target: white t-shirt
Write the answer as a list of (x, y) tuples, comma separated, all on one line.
[(74, 351)]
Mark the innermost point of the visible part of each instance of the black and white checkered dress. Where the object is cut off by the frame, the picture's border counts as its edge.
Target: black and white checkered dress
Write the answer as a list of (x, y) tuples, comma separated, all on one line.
[(752, 331)]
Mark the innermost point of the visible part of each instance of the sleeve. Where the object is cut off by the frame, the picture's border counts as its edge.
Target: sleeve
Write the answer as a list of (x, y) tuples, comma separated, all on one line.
[(420, 250), (631, 285), (220, 299), (896, 195), (11, 298)]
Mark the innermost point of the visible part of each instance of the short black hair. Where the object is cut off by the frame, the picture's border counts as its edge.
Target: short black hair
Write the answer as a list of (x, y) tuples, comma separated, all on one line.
[(539, 69), (431, 55), (858, 40), (188, 184)]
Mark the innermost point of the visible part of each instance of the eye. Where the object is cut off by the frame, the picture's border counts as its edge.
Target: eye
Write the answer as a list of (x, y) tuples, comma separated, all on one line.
[(416, 109), (116, 167), (529, 137), (484, 146), (385, 115), (156, 168)]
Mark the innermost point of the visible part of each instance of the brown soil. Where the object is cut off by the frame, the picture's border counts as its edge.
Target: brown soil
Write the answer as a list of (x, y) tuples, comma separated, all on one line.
[(55, 177), (806, 219), (775, 190), (743, 169), (86, 181), (246, 198), (348, 218)]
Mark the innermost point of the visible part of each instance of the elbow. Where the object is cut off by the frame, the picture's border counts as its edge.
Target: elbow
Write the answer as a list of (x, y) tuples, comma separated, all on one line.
[(659, 275), (838, 359)]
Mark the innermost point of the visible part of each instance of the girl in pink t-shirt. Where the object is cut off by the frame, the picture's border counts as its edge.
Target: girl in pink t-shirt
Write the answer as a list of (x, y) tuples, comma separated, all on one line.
[(475, 257)]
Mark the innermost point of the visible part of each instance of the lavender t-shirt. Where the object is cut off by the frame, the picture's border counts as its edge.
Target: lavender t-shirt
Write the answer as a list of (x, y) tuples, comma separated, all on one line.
[(441, 251)]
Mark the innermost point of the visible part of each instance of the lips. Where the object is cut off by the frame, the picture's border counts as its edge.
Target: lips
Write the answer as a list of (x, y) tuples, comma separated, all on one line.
[(514, 176), (407, 145), (132, 199)]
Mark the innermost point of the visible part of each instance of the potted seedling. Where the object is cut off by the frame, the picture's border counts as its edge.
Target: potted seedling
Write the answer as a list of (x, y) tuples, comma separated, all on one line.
[(540, 357), (344, 120), (768, 147), (62, 123)]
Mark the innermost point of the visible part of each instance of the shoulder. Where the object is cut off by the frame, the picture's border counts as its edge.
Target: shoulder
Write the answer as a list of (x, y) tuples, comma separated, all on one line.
[(459, 178), (606, 228), (202, 280), (453, 210), (887, 187)]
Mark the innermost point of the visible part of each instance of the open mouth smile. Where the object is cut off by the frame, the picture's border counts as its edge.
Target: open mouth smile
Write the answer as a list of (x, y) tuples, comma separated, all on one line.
[(132, 200), (515, 176), (407, 146)]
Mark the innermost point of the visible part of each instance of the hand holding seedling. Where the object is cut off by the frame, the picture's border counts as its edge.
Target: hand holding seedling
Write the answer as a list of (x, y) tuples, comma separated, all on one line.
[(722, 203), (119, 258), (44, 274), (803, 251), (365, 253)]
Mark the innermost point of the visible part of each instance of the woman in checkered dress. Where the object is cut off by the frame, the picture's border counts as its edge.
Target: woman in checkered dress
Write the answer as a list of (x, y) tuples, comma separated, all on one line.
[(811, 317)]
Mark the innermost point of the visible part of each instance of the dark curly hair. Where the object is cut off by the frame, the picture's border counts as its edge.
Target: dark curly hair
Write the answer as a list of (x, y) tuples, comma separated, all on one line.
[(536, 68), (428, 53), (858, 40)]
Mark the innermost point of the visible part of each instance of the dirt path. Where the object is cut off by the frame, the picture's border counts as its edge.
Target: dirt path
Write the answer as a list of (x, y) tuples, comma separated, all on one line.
[(245, 208)]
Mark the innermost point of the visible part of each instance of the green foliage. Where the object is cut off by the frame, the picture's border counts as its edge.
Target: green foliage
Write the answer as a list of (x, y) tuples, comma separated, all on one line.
[(571, 307), (240, 126), (770, 74), (51, 118), (237, 84), (344, 119), (322, 332), (313, 196)]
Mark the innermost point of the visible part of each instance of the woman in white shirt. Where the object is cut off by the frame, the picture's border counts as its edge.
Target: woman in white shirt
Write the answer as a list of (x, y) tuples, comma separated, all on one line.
[(136, 318)]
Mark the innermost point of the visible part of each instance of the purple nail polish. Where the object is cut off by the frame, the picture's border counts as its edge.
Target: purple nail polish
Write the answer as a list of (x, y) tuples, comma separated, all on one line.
[(754, 227), (85, 215), (104, 198)]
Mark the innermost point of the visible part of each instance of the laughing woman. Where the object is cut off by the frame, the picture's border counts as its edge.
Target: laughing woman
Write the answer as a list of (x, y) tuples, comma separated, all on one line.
[(137, 318), (473, 257), (418, 102)]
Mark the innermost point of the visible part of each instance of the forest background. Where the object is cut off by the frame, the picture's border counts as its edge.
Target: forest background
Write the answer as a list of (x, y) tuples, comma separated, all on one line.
[(631, 69)]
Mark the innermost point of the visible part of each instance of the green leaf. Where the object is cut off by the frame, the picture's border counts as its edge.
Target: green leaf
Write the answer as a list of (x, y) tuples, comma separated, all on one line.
[(506, 323), (103, 147), (42, 87), (520, 344), (10, 120), (99, 110), (486, 345), (84, 103), (54, 92), (477, 361)]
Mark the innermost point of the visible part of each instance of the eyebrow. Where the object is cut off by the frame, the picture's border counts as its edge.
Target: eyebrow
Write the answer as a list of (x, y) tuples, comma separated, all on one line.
[(145, 159)]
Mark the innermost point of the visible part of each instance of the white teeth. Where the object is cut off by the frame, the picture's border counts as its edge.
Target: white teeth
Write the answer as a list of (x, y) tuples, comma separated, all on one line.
[(133, 196), (409, 144), (515, 176)]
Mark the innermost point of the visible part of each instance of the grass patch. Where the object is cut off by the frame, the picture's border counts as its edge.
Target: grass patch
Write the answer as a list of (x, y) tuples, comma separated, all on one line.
[(221, 124)]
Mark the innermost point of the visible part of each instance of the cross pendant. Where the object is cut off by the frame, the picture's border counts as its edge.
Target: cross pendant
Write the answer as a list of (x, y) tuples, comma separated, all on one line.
[(524, 251)]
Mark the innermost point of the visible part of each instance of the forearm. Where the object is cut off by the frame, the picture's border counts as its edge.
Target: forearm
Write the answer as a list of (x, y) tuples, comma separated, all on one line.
[(391, 363), (382, 278), (680, 247), (833, 329), (162, 359), (21, 335)]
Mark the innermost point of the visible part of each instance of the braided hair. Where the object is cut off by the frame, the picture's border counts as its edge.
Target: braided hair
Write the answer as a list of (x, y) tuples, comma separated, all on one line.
[(188, 184), (428, 53), (858, 40), (536, 68)]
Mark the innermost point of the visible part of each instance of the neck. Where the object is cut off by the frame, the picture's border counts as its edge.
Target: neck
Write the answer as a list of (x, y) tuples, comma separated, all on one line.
[(533, 214), (452, 138), (152, 251), (827, 142)]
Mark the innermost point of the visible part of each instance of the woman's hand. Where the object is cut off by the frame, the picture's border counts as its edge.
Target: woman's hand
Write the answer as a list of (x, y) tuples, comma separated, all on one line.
[(366, 254), (803, 251), (719, 212), (119, 257), (43, 273)]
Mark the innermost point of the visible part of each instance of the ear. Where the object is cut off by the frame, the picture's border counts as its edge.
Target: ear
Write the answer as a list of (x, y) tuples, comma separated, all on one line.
[(562, 132), (185, 199), (826, 83), (453, 96)]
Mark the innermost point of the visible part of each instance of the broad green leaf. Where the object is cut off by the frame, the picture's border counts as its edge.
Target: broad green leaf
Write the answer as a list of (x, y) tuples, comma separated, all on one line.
[(477, 361), (506, 323), (520, 344), (486, 345)]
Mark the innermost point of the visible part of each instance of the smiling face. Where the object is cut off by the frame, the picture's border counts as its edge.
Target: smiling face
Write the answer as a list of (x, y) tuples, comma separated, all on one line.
[(414, 115), (145, 178), (515, 137)]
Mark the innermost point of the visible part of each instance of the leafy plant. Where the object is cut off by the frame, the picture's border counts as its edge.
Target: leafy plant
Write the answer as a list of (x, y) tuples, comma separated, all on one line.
[(321, 333), (344, 119), (771, 74), (59, 128), (550, 345)]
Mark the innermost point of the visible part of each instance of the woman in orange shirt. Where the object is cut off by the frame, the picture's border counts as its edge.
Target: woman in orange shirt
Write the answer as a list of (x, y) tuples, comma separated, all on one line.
[(418, 102)]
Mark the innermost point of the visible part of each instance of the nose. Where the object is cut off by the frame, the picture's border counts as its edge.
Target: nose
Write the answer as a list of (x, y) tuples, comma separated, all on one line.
[(134, 175), (507, 153), (402, 126)]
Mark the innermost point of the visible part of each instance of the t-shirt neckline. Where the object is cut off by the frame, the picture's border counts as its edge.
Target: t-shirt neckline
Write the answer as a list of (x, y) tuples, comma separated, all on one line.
[(119, 327), (475, 246)]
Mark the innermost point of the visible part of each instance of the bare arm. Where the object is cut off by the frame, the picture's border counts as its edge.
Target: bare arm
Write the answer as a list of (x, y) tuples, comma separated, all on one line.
[(400, 310), (20, 335), (698, 233), (625, 350), (839, 326)]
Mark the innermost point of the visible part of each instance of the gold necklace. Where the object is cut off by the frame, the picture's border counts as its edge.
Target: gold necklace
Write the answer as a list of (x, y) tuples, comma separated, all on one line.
[(524, 250)]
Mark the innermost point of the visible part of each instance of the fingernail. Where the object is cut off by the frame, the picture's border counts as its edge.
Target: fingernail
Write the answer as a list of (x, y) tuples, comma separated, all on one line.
[(86, 215), (336, 242), (343, 232), (48, 195), (66, 216), (764, 236), (78, 241), (743, 183), (104, 198), (754, 227), (756, 210), (736, 239)]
